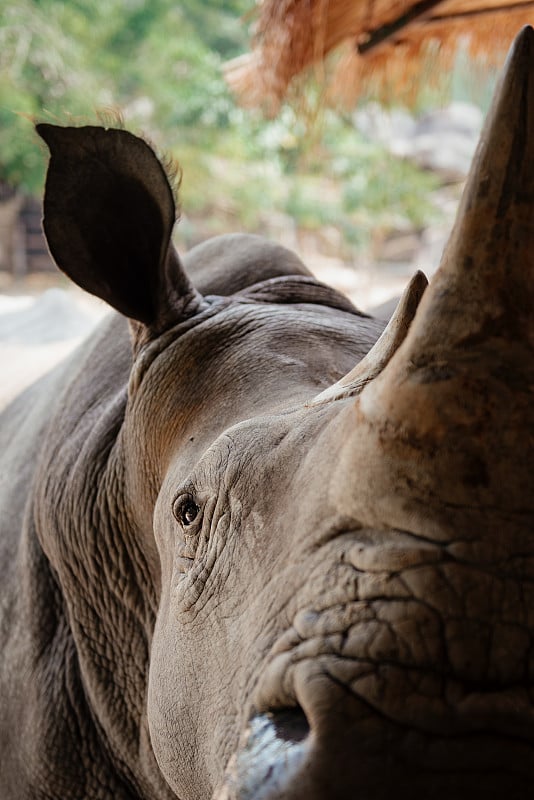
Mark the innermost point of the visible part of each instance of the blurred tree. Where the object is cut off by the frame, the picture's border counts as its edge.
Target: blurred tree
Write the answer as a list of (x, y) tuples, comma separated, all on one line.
[(156, 61)]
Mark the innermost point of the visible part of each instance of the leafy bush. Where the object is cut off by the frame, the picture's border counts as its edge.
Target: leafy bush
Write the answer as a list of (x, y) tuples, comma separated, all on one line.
[(159, 63)]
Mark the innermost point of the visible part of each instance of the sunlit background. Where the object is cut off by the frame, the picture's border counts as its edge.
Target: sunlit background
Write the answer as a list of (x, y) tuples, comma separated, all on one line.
[(365, 193)]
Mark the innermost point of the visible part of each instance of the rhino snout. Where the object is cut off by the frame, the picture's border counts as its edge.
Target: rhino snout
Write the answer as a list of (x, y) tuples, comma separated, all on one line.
[(333, 740), (395, 685)]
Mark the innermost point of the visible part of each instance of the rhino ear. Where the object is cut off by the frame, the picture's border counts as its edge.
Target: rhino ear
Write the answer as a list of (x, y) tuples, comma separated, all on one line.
[(108, 217)]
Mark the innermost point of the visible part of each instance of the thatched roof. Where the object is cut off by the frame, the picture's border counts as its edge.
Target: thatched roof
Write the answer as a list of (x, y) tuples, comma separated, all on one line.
[(387, 42)]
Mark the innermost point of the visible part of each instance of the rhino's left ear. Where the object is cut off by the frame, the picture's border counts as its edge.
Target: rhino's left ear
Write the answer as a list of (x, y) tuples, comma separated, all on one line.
[(108, 217)]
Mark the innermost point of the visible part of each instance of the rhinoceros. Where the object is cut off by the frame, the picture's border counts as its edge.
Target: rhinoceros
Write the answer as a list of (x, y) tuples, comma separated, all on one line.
[(254, 545)]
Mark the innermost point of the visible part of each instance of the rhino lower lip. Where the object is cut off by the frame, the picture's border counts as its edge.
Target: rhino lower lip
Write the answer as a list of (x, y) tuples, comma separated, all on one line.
[(276, 748)]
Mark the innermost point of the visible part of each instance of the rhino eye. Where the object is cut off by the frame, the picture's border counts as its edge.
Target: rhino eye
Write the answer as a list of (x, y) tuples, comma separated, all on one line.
[(186, 511)]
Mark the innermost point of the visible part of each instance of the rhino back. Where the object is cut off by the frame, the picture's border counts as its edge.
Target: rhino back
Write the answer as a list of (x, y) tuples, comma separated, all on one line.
[(231, 262)]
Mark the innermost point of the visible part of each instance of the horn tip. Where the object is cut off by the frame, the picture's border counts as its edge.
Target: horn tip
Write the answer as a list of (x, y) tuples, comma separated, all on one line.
[(413, 293), (419, 281), (522, 47), (526, 34)]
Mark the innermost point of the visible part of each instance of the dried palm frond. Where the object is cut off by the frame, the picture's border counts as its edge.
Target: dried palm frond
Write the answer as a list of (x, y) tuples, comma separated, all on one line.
[(383, 42)]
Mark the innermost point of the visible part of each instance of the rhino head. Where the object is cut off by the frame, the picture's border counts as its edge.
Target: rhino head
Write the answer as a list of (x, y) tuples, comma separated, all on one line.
[(336, 573)]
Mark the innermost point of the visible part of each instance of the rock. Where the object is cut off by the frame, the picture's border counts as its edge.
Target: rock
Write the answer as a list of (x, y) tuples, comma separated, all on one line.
[(390, 127), (399, 248), (443, 140)]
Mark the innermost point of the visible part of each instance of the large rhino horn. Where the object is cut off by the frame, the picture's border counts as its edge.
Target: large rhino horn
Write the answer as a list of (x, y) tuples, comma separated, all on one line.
[(456, 398), (485, 285)]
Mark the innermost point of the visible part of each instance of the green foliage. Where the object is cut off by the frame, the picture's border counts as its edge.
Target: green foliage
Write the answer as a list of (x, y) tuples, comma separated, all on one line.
[(159, 63), (355, 184), (405, 191), (35, 77)]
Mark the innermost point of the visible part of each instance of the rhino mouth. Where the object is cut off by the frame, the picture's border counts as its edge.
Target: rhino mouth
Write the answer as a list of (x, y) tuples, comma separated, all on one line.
[(275, 752), (284, 757), (326, 734), (389, 686)]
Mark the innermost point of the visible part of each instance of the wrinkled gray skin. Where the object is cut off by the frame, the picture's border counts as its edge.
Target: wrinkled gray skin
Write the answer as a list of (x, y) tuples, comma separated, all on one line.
[(94, 454), (214, 586)]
